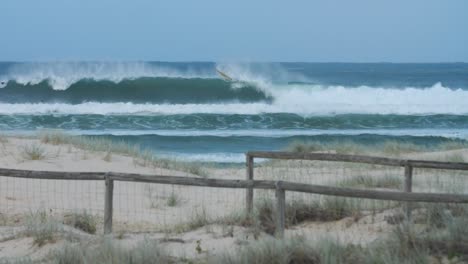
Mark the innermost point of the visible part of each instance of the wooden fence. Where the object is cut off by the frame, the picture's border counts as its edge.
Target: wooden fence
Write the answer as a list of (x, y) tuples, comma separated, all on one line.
[(408, 164), (250, 184)]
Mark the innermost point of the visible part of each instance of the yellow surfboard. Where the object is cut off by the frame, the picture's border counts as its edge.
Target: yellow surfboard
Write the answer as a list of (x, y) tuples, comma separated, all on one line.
[(224, 76)]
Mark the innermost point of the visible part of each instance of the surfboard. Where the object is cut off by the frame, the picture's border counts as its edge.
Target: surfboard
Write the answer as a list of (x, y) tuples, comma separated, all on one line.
[(224, 76)]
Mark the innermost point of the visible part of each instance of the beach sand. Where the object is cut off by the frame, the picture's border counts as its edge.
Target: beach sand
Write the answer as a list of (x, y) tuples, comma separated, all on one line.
[(166, 212)]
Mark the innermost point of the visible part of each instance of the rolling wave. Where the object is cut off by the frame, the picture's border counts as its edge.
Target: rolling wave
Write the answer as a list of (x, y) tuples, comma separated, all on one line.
[(141, 90), (300, 100), (62, 75), (290, 123)]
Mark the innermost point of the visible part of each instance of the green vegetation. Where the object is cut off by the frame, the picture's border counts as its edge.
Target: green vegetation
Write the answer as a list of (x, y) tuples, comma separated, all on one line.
[(173, 199), (390, 182), (21, 260), (388, 148), (109, 252), (273, 251), (446, 243), (198, 219), (83, 221), (140, 157), (455, 157), (33, 152), (42, 227), (330, 209)]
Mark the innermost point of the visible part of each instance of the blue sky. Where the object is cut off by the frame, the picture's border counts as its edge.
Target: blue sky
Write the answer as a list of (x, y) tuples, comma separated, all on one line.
[(217, 30)]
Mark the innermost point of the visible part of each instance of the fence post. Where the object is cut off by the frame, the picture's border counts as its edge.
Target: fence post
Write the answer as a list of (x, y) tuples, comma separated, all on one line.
[(249, 191), (408, 186), (108, 205), (280, 210)]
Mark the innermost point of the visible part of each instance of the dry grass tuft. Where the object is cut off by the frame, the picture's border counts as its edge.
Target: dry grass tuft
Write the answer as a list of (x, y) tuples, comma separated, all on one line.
[(83, 221), (33, 152)]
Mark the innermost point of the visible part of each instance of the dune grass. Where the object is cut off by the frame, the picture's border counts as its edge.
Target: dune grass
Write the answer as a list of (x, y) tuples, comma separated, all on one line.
[(406, 244), (109, 252), (173, 199), (18, 260), (387, 148), (82, 221), (42, 227), (455, 157), (297, 211), (33, 152), (273, 251), (141, 157), (366, 181)]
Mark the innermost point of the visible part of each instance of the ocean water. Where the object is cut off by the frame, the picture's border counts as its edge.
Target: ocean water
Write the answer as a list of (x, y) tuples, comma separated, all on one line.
[(186, 110)]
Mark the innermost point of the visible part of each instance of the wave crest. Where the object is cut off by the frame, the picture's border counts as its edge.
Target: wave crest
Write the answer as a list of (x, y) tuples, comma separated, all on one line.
[(305, 101)]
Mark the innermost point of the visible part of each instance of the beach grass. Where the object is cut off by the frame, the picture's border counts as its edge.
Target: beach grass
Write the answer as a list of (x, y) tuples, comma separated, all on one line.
[(33, 152), (42, 227), (141, 157), (388, 148), (82, 221), (108, 251), (367, 181)]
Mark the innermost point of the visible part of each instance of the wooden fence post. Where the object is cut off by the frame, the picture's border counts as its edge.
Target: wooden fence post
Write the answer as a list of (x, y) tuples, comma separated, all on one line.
[(108, 205), (280, 210), (408, 186), (249, 191)]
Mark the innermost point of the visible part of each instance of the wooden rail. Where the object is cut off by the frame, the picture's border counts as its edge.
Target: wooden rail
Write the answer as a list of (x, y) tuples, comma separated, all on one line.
[(408, 164), (358, 159), (250, 184)]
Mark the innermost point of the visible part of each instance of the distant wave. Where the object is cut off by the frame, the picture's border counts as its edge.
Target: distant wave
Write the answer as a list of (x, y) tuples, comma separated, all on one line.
[(140, 90), (303, 101), (262, 123), (62, 75), (278, 133)]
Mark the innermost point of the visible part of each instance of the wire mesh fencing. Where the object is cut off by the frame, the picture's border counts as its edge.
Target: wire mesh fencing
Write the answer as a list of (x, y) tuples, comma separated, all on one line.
[(358, 220), (165, 207)]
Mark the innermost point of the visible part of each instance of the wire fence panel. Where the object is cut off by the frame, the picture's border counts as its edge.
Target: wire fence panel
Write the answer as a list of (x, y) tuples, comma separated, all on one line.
[(357, 220), (164, 207)]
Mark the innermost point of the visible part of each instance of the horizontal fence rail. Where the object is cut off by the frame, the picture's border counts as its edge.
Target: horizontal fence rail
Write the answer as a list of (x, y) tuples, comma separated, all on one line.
[(408, 165), (359, 159), (255, 184), (280, 186)]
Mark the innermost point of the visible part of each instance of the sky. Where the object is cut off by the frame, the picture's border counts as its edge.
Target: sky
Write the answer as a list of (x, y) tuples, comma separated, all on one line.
[(242, 30)]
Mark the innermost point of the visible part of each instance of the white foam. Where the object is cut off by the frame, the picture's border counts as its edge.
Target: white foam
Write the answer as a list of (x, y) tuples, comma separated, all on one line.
[(206, 157), (301, 100), (61, 75), (279, 133)]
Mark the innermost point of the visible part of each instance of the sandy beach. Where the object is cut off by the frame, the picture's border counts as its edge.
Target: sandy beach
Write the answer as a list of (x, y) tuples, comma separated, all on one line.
[(167, 213)]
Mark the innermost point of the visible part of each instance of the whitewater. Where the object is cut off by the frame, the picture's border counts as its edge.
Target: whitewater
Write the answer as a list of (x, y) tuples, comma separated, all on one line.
[(161, 104)]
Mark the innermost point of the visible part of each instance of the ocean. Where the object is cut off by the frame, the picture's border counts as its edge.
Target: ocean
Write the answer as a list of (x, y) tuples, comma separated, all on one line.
[(187, 111)]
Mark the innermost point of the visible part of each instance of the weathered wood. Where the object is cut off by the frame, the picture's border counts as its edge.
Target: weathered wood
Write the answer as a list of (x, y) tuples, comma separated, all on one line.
[(408, 186), (52, 175), (326, 157), (249, 191), (254, 184), (108, 205), (359, 159), (280, 210), (426, 164), (193, 181), (377, 195)]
